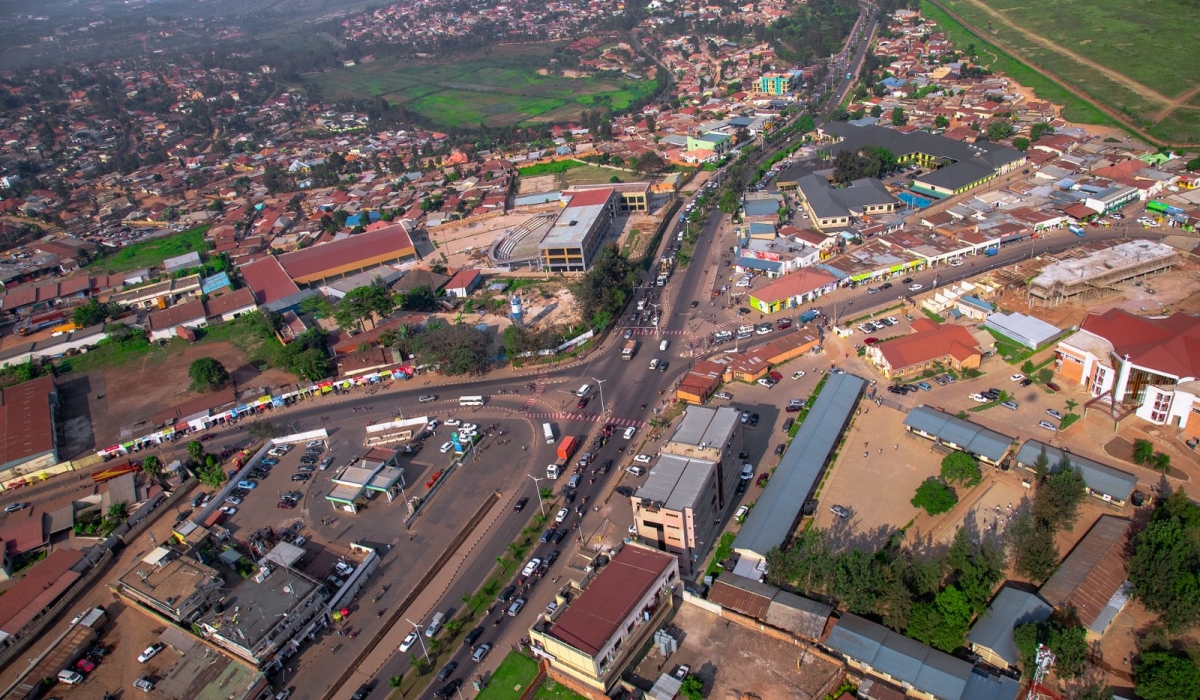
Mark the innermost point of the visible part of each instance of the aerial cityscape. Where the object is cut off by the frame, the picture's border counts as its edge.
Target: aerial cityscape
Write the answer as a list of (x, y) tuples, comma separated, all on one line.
[(571, 350)]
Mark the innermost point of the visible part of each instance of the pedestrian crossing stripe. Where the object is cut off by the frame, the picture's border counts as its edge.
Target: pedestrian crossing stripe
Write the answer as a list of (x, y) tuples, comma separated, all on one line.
[(588, 418)]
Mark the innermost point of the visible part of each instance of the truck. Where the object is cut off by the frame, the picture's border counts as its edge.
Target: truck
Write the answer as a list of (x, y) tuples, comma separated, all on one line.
[(991, 252), (553, 471), (567, 447), (629, 349), (808, 316)]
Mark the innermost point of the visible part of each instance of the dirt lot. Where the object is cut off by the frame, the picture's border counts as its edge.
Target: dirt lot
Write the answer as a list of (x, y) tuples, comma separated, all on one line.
[(734, 660), (133, 392)]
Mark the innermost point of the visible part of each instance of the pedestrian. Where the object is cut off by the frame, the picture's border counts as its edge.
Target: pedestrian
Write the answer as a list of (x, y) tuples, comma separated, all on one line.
[(865, 454)]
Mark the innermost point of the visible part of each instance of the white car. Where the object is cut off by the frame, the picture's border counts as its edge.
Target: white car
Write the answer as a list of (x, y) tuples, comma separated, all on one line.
[(432, 425), (150, 652), (470, 426), (453, 421), (629, 432), (560, 516), (977, 398), (532, 565), (229, 510), (740, 515), (915, 287), (1016, 378), (409, 640), (446, 447), (642, 459), (797, 374), (957, 262)]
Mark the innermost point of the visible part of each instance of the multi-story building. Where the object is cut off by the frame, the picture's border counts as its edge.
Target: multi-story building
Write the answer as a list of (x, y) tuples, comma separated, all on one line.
[(1100, 272), (832, 207), (930, 346), (680, 508), (592, 640), (572, 243), (780, 84), (1150, 366), (172, 585)]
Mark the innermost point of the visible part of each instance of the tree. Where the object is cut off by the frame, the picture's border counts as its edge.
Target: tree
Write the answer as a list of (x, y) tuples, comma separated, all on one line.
[(1022, 144), (649, 163), (152, 466), (934, 496), (1163, 570), (420, 298), (363, 304), (317, 306), (1046, 375), (942, 624), (999, 129), (1143, 451), (876, 111), (961, 469), (898, 116), (1035, 555), (1094, 691), (941, 122), (92, 313), (1059, 495), (1039, 130), (264, 430), (459, 349), (1162, 461), (1161, 675), (1194, 164), (207, 374), (692, 688), (195, 450), (395, 681)]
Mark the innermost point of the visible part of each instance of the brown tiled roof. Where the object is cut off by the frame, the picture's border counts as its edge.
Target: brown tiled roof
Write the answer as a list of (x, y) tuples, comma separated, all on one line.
[(1092, 572), (797, 283), (233, 301), (592, 619), (26, 422), (177, 315)]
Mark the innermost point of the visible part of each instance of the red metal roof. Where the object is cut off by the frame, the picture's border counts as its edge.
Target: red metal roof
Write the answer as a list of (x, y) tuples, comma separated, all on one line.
[(26, 423), (1167, 345), (227, 303), (268, 280), (588, 198), (18, 605), (929, 344), (346, 252), (588, 623), (462, 279)]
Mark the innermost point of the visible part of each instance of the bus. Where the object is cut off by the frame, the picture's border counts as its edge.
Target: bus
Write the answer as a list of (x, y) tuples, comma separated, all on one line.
[(470, 401), (548, 431)]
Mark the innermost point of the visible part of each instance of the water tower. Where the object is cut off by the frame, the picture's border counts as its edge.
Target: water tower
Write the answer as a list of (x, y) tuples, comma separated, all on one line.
[(514, 309)]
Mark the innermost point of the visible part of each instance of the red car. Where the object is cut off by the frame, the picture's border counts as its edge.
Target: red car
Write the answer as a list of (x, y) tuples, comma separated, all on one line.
[(783, 325), (582, 403), (286, 504), (870, 341), (1052, 386), (85, 665), (777, 376)]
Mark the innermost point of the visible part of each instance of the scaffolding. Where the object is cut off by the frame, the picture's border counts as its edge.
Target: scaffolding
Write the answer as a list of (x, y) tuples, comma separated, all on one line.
[(1100, 273)]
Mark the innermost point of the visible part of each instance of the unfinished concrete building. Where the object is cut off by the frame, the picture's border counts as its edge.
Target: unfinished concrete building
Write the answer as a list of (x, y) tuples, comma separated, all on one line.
[(1100, 273)]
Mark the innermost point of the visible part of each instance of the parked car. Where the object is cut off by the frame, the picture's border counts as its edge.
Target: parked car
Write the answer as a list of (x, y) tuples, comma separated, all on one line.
[(1054, 414), (723, 395), (301, 477), (1048, 425), (840, 511), (642, 459), (150, 652)]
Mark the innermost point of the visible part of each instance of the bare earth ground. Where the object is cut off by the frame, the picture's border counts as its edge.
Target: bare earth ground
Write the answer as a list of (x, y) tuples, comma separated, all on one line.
[(135, 392), (734, 660)]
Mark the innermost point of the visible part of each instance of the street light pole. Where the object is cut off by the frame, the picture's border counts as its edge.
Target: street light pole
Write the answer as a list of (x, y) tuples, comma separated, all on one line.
[(537, 488), (417, 629), (600, 385), (658, 325)]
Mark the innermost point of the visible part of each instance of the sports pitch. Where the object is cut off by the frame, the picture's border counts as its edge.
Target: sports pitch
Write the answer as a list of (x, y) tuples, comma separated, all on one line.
[(1135, 59), (499, 88)]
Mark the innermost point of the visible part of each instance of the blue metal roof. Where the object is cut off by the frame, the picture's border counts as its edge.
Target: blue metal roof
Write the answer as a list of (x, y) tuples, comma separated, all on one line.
[(968, 436), (756, 264), (1099, 478), (771, 520), (994, 629), (924, 668)]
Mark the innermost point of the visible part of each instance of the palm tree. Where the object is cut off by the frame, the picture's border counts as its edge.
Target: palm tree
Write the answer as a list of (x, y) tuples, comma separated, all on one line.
[(118, 511), (394, 681), (1071, 404), (152, 466)]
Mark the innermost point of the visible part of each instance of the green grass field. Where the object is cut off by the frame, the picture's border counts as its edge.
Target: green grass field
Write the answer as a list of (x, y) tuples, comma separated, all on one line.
[(1074, 109), (1131, 44), (500, 87), (555, 168), (153, 252), (515, 674)]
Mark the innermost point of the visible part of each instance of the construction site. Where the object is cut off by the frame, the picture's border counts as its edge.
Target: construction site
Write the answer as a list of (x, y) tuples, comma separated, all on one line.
[(1093, 273)]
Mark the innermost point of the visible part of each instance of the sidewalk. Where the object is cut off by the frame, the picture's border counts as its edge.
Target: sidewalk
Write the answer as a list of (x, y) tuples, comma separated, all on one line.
[(422, 607)]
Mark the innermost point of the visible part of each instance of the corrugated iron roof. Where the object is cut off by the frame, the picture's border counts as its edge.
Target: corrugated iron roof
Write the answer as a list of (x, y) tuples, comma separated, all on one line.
[(1093, 572)]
